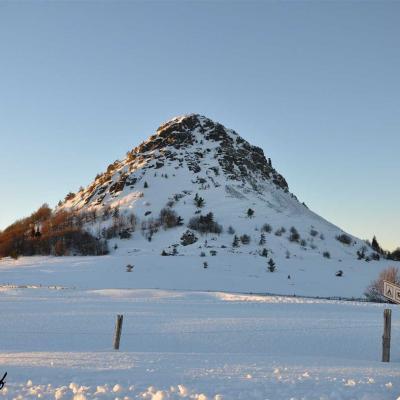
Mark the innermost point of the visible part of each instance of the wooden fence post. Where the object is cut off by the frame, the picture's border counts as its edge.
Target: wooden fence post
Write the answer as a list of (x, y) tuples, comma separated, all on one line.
[(387, 323), (118, 330)]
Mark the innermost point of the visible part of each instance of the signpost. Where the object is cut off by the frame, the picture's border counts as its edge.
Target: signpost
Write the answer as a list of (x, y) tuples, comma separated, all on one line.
[(391, 291)]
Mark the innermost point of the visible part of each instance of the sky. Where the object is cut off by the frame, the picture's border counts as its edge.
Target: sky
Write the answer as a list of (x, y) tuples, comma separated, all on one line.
[(315, 84)]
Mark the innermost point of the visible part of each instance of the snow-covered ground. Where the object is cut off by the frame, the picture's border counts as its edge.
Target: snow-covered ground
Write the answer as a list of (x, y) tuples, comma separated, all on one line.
[(57, 344), (233, 272)]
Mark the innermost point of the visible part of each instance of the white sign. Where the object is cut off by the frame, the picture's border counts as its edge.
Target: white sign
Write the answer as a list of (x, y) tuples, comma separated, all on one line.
[(391, 291)]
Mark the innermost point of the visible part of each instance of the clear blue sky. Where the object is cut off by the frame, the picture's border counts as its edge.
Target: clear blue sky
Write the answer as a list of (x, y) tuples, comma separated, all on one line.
[(315, 84)]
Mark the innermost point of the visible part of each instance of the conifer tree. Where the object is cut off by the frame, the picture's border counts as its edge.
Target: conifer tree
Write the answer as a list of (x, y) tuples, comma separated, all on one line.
[(199, 201), (271, 265), (250, 212), (375, 245)]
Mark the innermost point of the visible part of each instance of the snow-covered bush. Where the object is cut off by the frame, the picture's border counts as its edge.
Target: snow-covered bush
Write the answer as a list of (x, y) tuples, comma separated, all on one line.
[(188, 238), (205, 224), (129, 268), (294, 235), (326, 254), (245, 239), (231, 231), (313, 232), (374, 291), (267, 228), (343, 238), (177, 196)]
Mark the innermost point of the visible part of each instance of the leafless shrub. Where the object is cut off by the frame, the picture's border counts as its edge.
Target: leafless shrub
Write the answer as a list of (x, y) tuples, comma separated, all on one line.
[(374, 291), (169, 218), (266, 228)]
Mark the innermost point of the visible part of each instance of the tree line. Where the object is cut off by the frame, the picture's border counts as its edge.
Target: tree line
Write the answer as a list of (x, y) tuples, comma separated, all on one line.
[(48, 232)]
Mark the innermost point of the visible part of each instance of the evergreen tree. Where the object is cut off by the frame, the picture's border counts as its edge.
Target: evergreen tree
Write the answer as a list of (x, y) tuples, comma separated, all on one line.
[(271, 265), (264, 252), (199, 201), (209, 218), (262, 239), (375, 245), (250, 212), (235, 242)]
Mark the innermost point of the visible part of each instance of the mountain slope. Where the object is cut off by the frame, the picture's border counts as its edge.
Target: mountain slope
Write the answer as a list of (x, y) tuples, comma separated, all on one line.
[(192, 157)]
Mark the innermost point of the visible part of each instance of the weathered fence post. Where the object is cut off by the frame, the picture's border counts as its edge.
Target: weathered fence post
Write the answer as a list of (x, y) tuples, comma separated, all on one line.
[(387, 323), (118, 330)]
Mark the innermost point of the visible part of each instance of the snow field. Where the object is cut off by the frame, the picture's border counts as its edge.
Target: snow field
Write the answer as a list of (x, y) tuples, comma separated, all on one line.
[(244, 273), (57, 344)]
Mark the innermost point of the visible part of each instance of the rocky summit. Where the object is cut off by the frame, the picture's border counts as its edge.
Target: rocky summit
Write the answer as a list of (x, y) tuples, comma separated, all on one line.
[(193, 142)]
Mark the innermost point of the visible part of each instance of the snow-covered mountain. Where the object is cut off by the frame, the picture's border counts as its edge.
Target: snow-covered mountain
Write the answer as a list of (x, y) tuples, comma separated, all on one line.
[(193, 166)]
